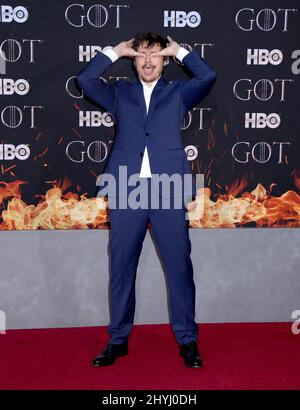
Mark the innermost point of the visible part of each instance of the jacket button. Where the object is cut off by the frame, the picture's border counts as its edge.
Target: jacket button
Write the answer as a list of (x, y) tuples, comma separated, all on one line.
[(147, 133)]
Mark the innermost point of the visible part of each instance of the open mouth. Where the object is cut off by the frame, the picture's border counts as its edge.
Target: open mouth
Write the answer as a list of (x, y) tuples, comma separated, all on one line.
[(148, 70)]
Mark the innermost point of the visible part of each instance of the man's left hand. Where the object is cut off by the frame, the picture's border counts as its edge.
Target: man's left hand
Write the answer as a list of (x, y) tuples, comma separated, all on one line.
[(171, 50)]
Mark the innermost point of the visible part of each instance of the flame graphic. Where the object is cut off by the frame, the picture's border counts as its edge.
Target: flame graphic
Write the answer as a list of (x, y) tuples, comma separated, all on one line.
[(57, 210), (54, 211), (254, 208)]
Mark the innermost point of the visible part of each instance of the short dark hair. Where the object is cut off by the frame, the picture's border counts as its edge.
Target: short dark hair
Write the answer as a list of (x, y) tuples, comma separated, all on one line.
[(150, 38)]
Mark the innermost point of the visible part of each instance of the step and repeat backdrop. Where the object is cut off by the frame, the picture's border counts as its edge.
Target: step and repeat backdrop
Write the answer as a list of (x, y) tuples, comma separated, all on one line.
[(243, 137)]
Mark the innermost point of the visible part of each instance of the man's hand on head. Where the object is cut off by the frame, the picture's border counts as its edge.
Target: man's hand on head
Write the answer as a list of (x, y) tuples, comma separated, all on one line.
[(171, 50), (124, 49)]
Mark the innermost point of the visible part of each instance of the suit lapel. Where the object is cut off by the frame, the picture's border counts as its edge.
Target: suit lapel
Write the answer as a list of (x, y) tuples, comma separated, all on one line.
[(156, 92)]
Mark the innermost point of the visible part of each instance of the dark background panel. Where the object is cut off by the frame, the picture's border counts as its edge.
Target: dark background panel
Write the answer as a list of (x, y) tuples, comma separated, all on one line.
[(57, 60)]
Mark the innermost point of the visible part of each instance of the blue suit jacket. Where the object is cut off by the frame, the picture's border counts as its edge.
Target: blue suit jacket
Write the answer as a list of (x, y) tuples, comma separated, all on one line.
[(160, 129)]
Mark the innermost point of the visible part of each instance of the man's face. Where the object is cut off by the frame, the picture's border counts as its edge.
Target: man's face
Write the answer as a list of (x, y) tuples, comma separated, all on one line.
[(148, 67)]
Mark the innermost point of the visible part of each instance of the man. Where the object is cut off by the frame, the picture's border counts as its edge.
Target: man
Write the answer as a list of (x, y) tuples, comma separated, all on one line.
[(148, 115)]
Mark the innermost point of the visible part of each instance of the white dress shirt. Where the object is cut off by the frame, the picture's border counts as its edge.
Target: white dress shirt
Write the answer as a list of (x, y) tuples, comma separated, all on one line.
[(145, 171)]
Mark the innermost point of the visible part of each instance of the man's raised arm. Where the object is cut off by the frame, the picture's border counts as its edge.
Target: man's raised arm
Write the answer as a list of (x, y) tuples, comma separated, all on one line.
[(96, 88), (195, 89)]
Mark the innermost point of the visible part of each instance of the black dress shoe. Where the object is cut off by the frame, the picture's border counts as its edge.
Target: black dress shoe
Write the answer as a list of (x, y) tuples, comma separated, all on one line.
[(190, 354), (110, 353)]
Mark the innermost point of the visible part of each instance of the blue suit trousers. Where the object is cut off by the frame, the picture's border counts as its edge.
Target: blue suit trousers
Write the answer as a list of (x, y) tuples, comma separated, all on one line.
[(170, 229)]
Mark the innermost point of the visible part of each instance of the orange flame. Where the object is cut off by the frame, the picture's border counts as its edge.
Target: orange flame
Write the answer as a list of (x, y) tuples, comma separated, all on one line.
[(254, 207), (71, 211), (55, 211)]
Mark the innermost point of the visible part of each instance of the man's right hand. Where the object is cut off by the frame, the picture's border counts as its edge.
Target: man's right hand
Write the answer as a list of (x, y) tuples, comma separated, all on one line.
[(124, 49)]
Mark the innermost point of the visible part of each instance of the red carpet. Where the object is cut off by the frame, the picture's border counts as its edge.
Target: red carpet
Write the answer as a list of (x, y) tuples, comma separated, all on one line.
[(235, 356)]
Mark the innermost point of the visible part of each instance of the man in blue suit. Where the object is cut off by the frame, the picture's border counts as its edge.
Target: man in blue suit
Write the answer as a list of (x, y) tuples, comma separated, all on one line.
[(148, 115)]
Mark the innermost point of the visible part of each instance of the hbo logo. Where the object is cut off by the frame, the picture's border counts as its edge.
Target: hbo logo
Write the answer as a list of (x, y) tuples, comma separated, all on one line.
[(262, 120), (8, 86), (95, 119), (181, 18), (263, 56), (19, 14), (10, 151)]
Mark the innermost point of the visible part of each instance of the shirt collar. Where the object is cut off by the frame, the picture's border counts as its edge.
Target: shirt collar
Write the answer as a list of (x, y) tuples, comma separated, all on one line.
[(152, 85)]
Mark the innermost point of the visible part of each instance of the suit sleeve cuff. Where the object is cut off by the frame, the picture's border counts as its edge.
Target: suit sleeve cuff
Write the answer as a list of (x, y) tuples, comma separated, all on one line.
[(181, 53), (110, 52)]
